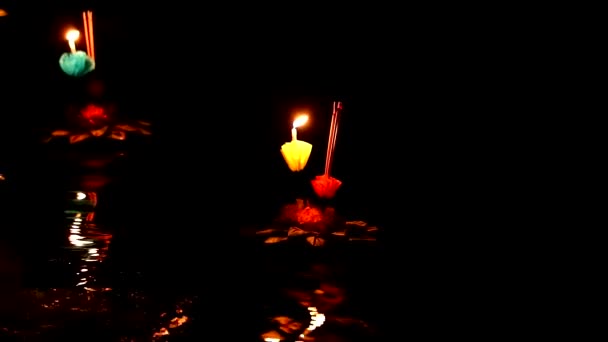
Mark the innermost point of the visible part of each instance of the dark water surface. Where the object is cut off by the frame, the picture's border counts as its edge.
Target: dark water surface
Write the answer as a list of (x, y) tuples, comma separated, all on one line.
[(106, 242)]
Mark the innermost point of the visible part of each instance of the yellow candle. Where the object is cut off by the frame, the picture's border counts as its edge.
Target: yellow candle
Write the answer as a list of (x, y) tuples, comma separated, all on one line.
[(296, 152)]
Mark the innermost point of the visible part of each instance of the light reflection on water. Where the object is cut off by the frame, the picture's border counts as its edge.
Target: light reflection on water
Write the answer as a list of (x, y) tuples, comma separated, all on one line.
[(125, 312), (82, 299), (88, 242)]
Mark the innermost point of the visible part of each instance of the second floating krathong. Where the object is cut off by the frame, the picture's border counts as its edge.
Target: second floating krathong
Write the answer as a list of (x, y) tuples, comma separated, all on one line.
[(326, 186), (78, 63), (296, 152)]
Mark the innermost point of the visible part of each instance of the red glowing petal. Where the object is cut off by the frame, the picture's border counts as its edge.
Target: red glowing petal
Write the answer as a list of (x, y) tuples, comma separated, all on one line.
[(325, 186)]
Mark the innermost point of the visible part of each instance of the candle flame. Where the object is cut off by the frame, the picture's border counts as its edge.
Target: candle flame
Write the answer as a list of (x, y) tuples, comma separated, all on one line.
[(72, 35), (300, 120)]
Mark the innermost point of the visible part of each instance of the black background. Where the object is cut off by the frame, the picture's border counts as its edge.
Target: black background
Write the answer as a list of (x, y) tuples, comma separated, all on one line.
[(222, 88), (435, 140), (433, 100)]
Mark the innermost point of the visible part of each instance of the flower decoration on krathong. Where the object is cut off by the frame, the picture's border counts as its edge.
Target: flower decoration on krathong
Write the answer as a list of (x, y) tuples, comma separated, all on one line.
[(326, 186), (76, 63), (316, 226)]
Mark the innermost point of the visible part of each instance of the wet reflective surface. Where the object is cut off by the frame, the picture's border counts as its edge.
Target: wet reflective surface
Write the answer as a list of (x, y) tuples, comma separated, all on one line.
[(318, 296), (56, 282), (89, 254)]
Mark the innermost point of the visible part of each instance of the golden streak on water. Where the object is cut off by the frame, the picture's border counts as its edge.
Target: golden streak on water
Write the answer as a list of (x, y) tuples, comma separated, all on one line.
[(316, 320), (86, 239)]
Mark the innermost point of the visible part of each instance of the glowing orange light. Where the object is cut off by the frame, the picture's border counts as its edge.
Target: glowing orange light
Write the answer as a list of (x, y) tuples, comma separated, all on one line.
[(309, 215), (300, 120), (72, 35)]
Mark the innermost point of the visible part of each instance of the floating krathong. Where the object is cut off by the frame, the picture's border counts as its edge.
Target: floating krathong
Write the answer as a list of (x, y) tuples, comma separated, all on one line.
[(79, 63)]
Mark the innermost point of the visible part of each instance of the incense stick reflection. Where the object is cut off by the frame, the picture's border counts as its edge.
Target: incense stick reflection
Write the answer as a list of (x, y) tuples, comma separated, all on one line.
[(86, 239)]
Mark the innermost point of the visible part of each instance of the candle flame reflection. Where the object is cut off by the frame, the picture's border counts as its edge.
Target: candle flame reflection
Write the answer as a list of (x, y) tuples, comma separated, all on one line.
[(316, 320), (85, 238)]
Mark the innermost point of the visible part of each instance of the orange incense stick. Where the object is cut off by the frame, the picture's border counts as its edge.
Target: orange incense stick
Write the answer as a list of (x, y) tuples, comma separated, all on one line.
[(86, 32), (333, 132), (328, 153), (92, 40)]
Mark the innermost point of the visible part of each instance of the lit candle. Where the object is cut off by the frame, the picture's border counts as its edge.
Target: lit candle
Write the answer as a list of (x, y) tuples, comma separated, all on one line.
[(75, 63), (296, 152), (299, 121), (72, 36)]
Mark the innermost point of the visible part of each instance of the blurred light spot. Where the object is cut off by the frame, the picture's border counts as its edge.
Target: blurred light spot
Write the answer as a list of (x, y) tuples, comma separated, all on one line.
[(3, 13), (178, 321), (162, 332), (72, 35), (81, 196)]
